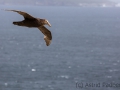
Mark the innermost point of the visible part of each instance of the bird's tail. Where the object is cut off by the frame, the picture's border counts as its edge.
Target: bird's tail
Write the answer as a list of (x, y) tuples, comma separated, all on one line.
[(19, 23)]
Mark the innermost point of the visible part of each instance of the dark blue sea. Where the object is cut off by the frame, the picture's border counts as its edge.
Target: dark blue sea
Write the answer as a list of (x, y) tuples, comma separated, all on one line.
[(84, 53)]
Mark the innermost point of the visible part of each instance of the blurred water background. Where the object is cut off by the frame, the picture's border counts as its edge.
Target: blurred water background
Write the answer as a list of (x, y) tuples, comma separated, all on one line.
[(85, 48)]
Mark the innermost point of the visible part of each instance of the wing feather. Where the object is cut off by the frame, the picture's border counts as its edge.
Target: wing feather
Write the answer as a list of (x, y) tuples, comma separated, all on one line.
[(47, 34), (24, 14)]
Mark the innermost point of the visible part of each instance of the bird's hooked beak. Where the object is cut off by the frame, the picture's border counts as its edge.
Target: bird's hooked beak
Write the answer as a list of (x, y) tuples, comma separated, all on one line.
[(48, 24)]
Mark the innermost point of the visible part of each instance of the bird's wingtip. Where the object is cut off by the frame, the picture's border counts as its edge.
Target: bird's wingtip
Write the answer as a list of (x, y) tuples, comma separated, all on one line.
[(48, 42), (6, 10)]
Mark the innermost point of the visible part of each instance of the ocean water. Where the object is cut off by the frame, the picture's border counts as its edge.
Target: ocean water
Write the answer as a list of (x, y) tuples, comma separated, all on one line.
[(84, 53)]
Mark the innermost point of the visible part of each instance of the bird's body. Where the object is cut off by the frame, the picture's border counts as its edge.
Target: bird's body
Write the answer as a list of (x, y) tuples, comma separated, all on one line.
[(30, 21)]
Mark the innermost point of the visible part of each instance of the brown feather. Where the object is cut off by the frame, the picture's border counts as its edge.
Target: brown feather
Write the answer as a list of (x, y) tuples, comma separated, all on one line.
[(24, 14), (47, 34)]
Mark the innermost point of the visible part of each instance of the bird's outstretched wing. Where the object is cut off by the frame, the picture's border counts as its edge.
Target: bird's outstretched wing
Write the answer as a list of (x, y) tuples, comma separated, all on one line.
[(24, 14), (47, 34)]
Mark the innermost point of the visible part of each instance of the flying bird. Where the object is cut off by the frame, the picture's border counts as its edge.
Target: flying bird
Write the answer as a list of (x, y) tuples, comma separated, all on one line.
[(30, 21)]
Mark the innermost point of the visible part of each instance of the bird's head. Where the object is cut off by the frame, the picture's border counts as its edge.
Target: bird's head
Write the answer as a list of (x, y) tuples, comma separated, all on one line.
[(46, 22)]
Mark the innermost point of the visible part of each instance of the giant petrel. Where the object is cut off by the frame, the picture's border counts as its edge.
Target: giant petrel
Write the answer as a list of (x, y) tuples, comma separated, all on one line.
[(30, 21)]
